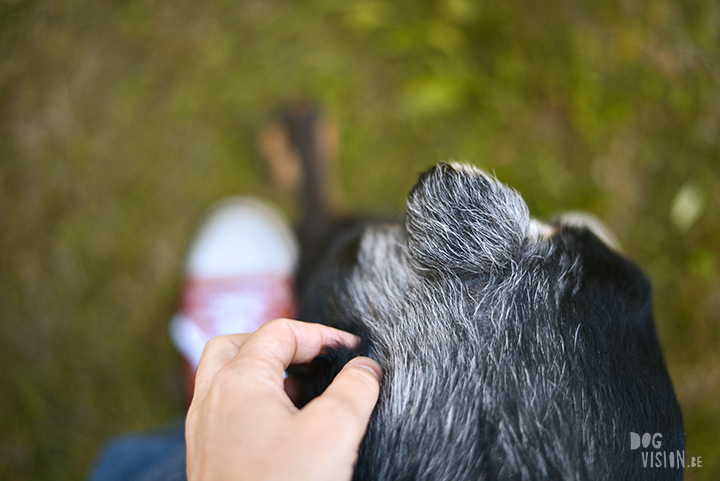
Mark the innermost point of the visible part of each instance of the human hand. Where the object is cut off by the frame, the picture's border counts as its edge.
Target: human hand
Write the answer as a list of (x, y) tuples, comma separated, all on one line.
[(242, 424)]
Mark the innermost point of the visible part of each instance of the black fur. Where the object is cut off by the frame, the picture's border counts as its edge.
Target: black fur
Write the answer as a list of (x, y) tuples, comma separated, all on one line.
[(315, 377), (509, 352), (510, 349)]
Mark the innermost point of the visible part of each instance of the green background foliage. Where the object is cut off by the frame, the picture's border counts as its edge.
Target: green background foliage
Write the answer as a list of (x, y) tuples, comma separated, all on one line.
[(122, 121)]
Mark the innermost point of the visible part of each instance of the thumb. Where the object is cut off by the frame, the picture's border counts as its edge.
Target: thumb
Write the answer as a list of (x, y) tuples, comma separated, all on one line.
[(344, 409)]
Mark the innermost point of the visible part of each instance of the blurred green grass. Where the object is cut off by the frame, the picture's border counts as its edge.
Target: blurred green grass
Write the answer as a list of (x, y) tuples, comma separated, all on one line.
[(120, 122)]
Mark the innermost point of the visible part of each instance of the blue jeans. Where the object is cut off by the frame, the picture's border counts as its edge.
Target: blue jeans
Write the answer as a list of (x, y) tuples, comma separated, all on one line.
[(154, 456)]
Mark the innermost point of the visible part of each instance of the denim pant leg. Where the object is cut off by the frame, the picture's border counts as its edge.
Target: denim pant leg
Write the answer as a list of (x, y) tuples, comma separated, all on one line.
[(153, 456)]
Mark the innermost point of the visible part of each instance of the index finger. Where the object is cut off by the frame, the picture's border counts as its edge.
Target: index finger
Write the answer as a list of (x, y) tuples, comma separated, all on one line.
[(279, 343)]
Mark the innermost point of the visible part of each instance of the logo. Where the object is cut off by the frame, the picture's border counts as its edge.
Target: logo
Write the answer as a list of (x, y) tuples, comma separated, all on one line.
[(653, 457)]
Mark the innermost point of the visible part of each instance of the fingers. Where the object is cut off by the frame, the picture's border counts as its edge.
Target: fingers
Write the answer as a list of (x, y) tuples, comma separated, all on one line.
[(218, 352), (344, 409), (279, 343), (272, 348)]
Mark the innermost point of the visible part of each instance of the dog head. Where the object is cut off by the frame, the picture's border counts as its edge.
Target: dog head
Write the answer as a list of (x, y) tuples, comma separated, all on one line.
[(511, 349)]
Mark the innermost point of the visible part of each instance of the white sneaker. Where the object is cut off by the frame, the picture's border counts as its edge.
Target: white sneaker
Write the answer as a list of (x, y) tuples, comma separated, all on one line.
[(239, 275)]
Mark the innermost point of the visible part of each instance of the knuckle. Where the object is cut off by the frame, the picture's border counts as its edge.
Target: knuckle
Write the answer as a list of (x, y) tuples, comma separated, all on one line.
[(276, 328), (279, 323), (226, 374), (214, 344)]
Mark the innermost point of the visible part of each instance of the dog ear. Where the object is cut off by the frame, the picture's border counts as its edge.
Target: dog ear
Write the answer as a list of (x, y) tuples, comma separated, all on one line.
[(462, 220)]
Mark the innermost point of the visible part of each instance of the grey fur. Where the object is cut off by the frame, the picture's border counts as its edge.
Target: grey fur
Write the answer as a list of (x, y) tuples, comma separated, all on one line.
[(510, 351)]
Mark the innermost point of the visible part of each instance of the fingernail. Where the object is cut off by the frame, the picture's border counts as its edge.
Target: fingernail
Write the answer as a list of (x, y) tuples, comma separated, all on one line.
[(369, 364)]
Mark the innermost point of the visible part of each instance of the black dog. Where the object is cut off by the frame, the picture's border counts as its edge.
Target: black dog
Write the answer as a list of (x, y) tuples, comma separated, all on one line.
[(511, 349)]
